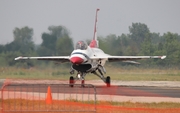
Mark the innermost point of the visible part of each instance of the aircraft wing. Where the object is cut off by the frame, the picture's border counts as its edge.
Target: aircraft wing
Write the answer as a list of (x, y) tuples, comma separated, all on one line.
[(50, 58), (128, 58)]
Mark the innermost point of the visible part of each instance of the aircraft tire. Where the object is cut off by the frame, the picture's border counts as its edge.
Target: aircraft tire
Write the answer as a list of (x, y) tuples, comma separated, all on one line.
[(71, 81), (108, 81), (82, 83)]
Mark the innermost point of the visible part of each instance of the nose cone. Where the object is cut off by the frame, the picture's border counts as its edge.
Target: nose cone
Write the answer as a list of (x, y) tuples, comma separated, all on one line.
[(76, 60)]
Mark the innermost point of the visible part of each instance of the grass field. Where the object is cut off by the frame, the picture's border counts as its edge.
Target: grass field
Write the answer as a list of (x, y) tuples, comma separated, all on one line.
[(118, 73)]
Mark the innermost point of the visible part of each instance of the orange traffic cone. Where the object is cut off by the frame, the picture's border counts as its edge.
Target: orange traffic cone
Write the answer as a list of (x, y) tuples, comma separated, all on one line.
[(49, 96)]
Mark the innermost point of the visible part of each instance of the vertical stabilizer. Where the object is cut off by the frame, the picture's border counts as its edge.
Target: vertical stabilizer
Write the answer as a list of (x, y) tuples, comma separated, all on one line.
[(94, 42)]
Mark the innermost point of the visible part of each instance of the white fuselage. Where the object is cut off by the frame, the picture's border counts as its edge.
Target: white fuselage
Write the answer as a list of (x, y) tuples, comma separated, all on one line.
[(88, 56)]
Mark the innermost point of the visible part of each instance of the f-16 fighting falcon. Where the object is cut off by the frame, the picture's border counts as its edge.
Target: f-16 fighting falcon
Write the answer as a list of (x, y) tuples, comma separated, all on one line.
[(89, 59)]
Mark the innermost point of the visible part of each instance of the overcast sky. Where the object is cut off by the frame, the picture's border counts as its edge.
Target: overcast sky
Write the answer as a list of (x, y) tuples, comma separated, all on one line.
[(115, 16)]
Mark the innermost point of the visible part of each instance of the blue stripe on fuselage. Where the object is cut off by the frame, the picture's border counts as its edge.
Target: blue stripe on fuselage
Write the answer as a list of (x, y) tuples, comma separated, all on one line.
[(81, 54)]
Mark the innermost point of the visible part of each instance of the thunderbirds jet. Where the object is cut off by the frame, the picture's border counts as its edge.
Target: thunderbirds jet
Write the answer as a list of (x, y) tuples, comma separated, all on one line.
[(89, 59)]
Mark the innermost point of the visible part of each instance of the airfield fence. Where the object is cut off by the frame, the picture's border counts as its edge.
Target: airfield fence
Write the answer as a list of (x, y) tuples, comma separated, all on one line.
[(48, 98)]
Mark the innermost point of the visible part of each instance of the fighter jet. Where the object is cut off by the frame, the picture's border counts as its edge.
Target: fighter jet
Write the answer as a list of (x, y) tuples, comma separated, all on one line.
[(89, 59)]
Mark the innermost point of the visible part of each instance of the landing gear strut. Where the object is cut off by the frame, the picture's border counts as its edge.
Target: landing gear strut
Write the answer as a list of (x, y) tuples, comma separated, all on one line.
[(107, 80), (81, 77)]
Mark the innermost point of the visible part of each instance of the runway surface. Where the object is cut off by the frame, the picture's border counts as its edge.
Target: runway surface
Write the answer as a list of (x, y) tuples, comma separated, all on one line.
[(102, 90), (113, 90)]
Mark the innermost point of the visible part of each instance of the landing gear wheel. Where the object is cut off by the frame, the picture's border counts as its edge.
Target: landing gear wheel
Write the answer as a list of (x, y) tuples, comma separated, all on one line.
[(71, 81), (82, 83), (108, 81)]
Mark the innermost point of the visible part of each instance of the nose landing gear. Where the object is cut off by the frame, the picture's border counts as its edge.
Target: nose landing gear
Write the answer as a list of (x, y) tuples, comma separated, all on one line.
[(80, 76)]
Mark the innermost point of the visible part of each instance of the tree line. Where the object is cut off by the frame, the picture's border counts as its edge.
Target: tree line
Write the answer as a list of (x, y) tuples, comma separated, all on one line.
[(57, 41)]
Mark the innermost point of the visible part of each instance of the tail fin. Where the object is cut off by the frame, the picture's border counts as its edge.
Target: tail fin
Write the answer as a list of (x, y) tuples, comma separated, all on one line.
[(94, 42)]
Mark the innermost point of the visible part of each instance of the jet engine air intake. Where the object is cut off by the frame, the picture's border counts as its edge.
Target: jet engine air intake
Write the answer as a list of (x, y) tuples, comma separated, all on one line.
[(82, 67)]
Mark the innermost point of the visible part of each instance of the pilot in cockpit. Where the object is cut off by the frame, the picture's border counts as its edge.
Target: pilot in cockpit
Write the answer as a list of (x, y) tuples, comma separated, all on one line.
[(81, 45)]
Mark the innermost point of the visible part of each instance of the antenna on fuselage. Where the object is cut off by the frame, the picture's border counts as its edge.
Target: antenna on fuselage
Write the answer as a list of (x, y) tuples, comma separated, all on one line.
[(94, 43)]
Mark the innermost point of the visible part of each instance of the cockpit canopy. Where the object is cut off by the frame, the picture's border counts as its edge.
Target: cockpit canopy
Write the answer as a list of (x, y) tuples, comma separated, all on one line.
[(81, 45)]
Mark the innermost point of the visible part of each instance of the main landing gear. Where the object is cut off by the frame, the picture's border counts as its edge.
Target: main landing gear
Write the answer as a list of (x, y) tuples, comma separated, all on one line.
[(108, 81), (81, 76), (101, 71), (71, 81)]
